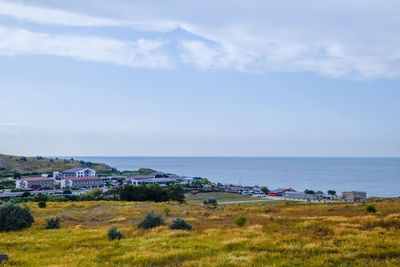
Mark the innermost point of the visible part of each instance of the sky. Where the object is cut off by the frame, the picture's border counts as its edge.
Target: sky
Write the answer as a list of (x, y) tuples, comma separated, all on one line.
[(200, 78)]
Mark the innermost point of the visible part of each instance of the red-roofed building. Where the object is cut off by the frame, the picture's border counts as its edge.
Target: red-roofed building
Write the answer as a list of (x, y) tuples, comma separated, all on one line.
[(81, 182), (34, 183)]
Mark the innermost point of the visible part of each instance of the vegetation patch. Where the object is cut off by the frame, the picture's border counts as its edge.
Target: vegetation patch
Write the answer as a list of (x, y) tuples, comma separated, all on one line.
[(14, 217)]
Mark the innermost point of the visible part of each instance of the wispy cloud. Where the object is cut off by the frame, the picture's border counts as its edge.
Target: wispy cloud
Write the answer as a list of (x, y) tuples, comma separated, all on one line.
[(267, 36), (141, 53)]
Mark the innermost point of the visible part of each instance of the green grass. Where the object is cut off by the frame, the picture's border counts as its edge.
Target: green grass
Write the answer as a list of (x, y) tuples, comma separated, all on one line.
[(334, 234)]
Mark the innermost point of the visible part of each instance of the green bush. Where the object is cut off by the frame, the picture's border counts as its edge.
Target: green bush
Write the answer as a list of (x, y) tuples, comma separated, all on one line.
[(166, 210), (151, 220), (53, 223), (240, 221), (14, 217), (180, 224), (370, 208), (210, 201), (42, 204), (113, 233)]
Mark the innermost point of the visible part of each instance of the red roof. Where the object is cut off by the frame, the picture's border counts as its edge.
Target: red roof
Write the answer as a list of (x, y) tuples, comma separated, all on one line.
[(29, 179)]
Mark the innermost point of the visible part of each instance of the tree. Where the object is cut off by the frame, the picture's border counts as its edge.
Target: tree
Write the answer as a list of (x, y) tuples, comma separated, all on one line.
[(176, 193), (16, 175), (14, 217), (41, 197), (42, 204), (265, 189), (67, 192), (307, 191), (331, 192)]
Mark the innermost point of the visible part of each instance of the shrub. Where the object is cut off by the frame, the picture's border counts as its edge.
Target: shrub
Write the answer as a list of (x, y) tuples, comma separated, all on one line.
[(370, 208), (151, 220), (240, 221), (166, 210), (14, 217), (53, 223), (210, 201), (180, 224), (42, 204), (113, 233)]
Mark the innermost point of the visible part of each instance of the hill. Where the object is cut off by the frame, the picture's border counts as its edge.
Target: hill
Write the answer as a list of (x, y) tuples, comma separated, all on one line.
[(10, 164), (337, 234)]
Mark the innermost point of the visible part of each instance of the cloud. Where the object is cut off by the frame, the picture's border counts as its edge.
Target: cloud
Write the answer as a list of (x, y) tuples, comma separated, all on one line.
[(356, 39), (141, 53)]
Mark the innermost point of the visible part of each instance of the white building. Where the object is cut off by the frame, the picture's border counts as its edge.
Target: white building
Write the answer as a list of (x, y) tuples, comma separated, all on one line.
[(34, 183), (78, 172), (81, 182)]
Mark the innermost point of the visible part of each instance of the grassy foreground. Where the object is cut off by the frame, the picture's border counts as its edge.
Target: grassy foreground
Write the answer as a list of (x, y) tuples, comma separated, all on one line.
[(275, 235)]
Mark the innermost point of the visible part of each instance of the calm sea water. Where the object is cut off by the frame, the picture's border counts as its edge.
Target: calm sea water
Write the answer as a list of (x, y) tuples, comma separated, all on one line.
[(376, 176)]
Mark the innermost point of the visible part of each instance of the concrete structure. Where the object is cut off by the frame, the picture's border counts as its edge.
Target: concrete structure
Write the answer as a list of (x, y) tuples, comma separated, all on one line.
[(34, 183), (78, 172), (354, 196), (81, 182), (301, 195)]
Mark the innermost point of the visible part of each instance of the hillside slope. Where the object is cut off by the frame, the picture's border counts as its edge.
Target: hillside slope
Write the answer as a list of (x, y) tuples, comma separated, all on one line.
[(31, 165)]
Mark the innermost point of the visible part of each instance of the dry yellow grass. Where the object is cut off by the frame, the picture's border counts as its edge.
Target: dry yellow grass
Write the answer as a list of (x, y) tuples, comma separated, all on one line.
[(275, 235)]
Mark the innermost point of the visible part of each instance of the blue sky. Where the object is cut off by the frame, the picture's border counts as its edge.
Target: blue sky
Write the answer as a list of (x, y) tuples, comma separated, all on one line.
[(209, 78)]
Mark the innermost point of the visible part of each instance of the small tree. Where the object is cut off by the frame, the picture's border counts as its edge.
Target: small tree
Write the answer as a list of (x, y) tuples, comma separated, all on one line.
[(370, 208), (14, 217), (151, 220), (67, 192), (113, 233), (210, 201), (180, 224), (53, 223), (240, 221), (166, 210), (265, 189), (331, 192), (42, 204)]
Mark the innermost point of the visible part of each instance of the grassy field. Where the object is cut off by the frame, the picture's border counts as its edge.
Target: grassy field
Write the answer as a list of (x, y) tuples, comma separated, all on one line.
[(275, 235)]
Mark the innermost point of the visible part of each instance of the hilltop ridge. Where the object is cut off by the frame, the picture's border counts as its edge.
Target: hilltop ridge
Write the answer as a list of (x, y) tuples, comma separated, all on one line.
[(10, 164)]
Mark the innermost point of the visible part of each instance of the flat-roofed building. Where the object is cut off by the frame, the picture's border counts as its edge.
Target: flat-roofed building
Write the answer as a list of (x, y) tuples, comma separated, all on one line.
[(354, 196), (78, 172), (81, 182)]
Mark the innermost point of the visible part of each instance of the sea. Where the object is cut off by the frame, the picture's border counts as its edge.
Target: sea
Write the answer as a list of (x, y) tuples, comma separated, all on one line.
[(379, 177)]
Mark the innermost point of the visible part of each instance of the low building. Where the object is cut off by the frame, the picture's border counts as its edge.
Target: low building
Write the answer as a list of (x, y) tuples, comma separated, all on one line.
[(81, 182), (280, 192), (301, 195), (34, 183), (354, 196), (161, 181), (78, 172)]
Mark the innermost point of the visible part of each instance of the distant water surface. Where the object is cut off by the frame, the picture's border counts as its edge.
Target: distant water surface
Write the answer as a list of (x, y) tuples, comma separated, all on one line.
[(376, 176)]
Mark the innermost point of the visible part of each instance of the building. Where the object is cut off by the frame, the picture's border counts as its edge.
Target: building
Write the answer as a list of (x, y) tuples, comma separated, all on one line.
[(280, 192), (161, 181), (354, 196), (77, 172), (34, 183), (301, 195), (81, 182)]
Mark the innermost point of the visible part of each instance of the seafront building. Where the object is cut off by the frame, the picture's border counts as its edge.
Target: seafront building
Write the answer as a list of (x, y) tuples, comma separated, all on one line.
[(76, 172), (34, 183), (81, 182)]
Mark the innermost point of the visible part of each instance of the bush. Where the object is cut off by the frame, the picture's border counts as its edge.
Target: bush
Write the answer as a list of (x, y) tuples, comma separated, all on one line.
[(113, 233), (180, 224), (370, 208), (166, 210), (53, 223), (14, 217), (42, 204), (240, 221), (210, 201), (151, 220)]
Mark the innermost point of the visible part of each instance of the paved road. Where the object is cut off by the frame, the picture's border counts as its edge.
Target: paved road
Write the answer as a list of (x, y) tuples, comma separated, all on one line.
[(243, 201)]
